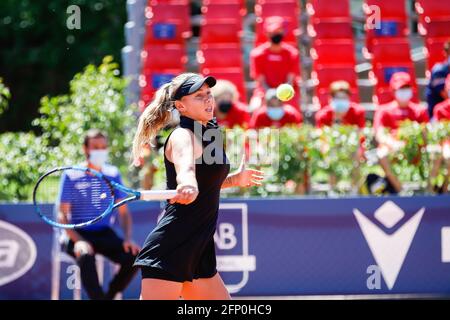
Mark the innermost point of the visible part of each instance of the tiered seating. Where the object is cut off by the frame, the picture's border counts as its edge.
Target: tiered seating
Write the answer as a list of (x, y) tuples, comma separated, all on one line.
[(288, 9), (164, 52), (389, 56), (434, 26), (220, 52), (333, 49)]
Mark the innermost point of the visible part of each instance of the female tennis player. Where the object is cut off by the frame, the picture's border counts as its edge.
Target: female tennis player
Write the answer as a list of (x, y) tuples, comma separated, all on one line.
[(178, 257)]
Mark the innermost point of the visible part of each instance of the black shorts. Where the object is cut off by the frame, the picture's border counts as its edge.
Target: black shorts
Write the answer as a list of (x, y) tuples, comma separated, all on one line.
[(157, 273)]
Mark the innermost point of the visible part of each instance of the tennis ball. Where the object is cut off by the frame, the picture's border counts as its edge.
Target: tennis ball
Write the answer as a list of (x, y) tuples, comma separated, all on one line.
[(285, 92)]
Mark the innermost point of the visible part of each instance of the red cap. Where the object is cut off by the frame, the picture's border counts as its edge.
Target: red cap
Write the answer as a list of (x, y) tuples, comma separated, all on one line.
[(273, 23), (447, 83), (400, 79)]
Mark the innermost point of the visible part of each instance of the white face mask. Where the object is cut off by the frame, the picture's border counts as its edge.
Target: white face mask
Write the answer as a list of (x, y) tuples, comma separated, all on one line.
[(404, 95), (275, 113), (98, 157), (340, 105)]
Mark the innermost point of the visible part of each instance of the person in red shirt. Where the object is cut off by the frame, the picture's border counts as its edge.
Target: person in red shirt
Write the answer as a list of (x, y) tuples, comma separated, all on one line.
[(273, 63), (228, 110), (389, 116), (341, 109), (275, 113), (441, 111)]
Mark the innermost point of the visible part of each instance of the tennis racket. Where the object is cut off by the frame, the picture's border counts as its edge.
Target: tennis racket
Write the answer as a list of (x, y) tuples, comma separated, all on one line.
[(83, 196)]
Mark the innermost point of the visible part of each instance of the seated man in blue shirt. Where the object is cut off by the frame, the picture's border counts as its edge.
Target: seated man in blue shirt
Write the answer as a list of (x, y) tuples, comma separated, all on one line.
[(435, 91), (84, 243)]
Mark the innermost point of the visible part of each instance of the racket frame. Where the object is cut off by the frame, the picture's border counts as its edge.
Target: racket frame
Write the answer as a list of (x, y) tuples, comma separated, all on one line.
[(135, 195)]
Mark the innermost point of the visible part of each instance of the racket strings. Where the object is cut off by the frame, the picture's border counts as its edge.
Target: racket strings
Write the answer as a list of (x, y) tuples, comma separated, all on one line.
[(78, 197)]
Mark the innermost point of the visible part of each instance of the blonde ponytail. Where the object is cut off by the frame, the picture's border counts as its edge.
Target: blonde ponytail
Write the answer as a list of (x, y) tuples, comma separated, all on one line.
[(156, 115)]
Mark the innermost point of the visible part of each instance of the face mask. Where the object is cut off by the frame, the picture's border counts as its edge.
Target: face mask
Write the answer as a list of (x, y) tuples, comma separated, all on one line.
[(340, 105), (276, 38), (225, 106), (404, 95), (98, 157), (275, 113)]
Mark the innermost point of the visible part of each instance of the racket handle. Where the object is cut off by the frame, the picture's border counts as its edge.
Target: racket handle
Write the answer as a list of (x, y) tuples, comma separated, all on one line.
[(149, 195)]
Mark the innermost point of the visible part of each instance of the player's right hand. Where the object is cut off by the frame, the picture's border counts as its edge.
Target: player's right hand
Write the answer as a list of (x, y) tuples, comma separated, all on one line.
[(83, 247), (185, 194)]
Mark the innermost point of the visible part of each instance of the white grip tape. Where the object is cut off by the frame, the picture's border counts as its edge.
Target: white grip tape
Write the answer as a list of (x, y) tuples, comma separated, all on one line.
[(149, 195)]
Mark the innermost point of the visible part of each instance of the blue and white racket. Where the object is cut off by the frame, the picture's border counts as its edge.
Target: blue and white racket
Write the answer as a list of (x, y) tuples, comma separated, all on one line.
[(83, 196)]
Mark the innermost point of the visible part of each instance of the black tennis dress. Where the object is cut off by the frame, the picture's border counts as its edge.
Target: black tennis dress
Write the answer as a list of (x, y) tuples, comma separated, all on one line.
[(181, 247)]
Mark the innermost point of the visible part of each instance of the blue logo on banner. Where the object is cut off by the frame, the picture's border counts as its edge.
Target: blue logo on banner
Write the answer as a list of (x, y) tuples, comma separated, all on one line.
[(164, 31), (387, 29)]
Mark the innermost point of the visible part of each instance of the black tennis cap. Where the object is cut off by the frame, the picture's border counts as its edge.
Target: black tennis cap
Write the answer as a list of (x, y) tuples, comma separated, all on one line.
[(192, 84)]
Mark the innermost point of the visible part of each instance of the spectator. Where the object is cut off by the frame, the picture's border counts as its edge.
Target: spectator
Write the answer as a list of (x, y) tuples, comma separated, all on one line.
[(435, 91), (84, 243), (275, 113), (442, 113), (340, 109), (228, 111), (273, 63), (388, 118)]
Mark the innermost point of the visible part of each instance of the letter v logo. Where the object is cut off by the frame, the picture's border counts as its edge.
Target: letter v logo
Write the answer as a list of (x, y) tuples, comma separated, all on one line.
[(389, 250)]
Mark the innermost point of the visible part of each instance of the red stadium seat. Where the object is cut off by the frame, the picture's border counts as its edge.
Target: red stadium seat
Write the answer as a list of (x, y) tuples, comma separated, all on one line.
[(282, 9), (161, 57), (435, 50), (208, 2), (220, 56), (164, 33), (156, 2), (435, 29), (330, 30), (324, 75), (170, 12), (150, 81), (218, 11), (391, 51), (432, 10), (392, 28), (234, 75), (329, 9), (334, 52), (388, 8), (221, 31)]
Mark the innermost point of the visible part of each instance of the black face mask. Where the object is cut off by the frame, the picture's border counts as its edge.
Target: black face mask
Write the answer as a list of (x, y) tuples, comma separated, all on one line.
[(225, 106), (276, 38)]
